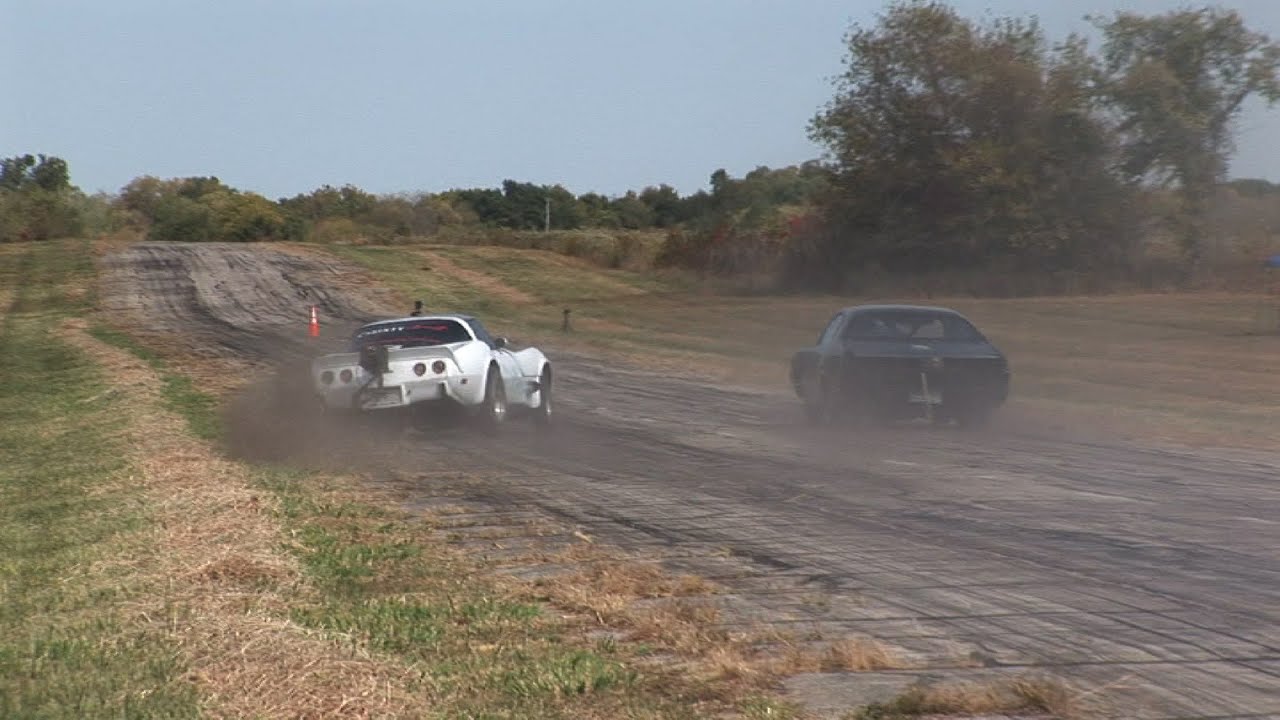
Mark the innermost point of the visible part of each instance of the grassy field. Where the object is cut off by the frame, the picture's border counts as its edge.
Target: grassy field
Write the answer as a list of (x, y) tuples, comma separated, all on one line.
[(71, 517), (1167, 367)]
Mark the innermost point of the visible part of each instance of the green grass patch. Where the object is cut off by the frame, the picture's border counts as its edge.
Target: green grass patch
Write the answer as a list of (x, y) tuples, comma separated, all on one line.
[(66, 512), (554, 279), (406, 271), (386, 581), (605, 248), (198, 408)]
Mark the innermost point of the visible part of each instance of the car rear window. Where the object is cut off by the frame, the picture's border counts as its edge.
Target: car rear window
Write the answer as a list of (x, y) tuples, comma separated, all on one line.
[(412, 333), (910, 326)]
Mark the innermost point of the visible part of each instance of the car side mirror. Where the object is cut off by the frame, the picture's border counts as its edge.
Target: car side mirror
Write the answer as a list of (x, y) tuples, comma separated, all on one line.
[(499, 343)]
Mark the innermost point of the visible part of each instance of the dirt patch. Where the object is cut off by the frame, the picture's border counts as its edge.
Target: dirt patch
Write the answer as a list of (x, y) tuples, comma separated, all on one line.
[(369, 296), (222, 587)]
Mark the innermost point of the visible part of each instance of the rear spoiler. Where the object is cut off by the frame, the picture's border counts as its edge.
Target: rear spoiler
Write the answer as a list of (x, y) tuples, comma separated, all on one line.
[(337, 361)]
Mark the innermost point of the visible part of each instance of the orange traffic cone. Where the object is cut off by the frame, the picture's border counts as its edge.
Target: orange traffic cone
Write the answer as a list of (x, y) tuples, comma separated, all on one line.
[(315, 323)]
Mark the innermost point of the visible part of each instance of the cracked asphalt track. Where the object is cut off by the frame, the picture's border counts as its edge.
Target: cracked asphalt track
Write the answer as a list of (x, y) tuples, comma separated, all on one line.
[(1151, 572)]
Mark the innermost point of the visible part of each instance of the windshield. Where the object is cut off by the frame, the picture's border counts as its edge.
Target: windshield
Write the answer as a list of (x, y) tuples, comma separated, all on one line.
[(908, 325), (415, 333)]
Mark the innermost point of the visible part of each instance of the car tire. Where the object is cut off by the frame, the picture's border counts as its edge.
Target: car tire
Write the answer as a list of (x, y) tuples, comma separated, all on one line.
[(819, 403), (493, 410), (543, 414), (974, 418)]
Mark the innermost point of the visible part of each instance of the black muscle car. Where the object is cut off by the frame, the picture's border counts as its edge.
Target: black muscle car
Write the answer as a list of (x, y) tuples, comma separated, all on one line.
[(895, 362)]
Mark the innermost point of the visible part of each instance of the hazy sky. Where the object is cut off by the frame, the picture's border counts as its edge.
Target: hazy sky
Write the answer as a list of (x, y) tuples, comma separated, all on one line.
[(282, 96)]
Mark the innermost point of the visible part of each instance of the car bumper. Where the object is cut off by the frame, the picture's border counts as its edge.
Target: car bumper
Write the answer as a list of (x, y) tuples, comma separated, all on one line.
[(906, 388), (460, 390)]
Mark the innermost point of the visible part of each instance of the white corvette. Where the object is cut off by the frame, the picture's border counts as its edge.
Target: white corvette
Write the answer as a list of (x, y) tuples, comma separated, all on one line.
[(431, 360)]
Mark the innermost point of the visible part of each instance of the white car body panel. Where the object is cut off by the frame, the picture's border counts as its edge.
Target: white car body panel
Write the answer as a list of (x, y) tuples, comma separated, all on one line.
[(464, 368)]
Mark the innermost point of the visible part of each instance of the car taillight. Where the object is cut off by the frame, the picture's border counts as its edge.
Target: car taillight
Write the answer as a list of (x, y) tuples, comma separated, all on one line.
[(345, 376), (437, 367), (326, 377), (420, 369)]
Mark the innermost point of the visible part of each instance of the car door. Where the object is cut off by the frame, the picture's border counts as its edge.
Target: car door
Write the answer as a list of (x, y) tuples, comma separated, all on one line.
[(809, 364)]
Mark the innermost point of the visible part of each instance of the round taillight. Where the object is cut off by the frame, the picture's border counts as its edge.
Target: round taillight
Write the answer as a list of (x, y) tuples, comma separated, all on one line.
[(345, 376), (326, 377), (437, 367), (420, 369)]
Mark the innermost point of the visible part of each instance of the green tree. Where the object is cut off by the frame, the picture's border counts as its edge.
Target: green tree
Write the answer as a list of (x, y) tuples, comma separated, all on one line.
[(51, 174), (196, 188), (1178, 81), (142, 194), (632, 212), (664, 202), (597, 211), (15, 172), (952, 144), (243, 217), (37, 199), (329, 202), (178, 218), (487, 204), (566, 212)]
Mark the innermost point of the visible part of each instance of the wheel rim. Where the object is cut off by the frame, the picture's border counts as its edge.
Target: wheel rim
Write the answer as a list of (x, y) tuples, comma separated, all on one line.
[(499, 407), (546, 406)]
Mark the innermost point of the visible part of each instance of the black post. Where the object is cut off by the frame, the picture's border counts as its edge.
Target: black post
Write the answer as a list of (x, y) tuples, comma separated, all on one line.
[(565, 326)]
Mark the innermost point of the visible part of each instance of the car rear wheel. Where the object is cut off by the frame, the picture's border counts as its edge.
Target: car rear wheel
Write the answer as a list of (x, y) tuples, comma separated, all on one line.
[(542, 415), (973, 418), (819, 401), (493, 411)]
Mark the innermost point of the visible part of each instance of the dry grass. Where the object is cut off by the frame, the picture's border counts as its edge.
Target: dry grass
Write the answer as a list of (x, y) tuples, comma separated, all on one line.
[(1017, 695), (849, 654), (678, 615), (221, 582), (607, 588), (859, 655)]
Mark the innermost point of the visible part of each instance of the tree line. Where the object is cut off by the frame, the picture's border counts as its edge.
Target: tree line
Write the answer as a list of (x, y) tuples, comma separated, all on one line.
[(201, 209), (949, 144)]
